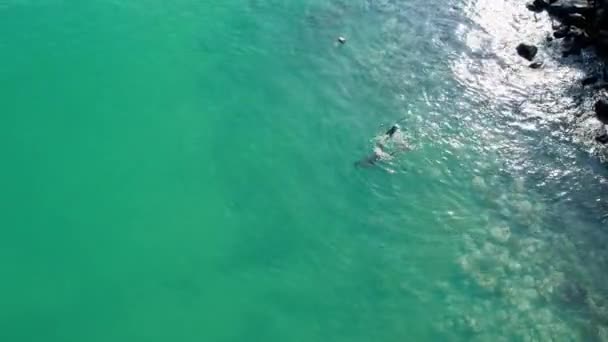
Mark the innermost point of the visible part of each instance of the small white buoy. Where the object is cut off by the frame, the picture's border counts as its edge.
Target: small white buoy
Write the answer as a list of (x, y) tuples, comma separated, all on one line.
[(341, 40)]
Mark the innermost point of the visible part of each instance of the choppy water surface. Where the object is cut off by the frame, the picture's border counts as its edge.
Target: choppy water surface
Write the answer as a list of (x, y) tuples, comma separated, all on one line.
[(184, 171)]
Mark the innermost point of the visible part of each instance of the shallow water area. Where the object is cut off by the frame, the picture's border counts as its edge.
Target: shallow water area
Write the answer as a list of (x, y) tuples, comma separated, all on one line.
[(185, 171)]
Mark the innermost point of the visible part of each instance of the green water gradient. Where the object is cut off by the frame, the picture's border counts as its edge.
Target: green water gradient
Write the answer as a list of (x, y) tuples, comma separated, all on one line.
[(183, 171)]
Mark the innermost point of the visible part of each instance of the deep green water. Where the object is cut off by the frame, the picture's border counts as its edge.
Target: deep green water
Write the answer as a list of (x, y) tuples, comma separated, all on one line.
[(183, 171)]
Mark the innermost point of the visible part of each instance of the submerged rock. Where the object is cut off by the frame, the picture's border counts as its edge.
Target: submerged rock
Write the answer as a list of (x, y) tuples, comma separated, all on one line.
[(576, 41), (601, 85), (600, 19), (579, 37), (589, 80), (601, 110), (575, 19), (602, 42), (602, 138), (537, 5), (601, 47), (500, 234), (527, 51), (572, 50), (536, 65), (561, 9), (561, 31), (572, 292), (479, 183)]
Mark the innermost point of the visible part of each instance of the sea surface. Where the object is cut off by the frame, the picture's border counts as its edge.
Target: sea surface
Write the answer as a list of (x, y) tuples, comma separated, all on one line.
[(185, 171)]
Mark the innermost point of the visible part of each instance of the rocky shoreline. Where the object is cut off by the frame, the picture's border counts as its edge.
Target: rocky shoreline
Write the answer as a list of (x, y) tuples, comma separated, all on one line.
[(578, 25)]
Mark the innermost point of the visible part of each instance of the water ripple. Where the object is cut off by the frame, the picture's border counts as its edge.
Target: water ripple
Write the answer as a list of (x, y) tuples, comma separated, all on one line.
[(512, 135)]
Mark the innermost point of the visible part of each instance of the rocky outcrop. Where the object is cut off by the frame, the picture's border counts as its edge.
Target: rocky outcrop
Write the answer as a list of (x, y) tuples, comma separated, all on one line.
[(573, 293), (535, 65), (527, 51), (581, 24), (564, 8), (537, 5), (561, 32), (601, 110), (589, 80), (602, 138)]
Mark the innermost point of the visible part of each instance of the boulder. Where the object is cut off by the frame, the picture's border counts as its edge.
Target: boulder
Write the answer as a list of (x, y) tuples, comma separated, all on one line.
[(601, 110), (578, 39), (589, 80), (602, 138), (572, 51), (601, 34), (601, 46), (561, 32), (575, 19), (573, 293), (527, 51), (600, 19), (561, 9), (575, 32), (500, 234), (536, 65), (582, 41), (537, 5)]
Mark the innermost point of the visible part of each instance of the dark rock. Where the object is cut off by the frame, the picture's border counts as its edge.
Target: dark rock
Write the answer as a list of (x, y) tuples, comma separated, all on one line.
[(601, 85), (602, 138), (531, 7), (601, 110), (582, 41), (562, 9), (536, 65), (572, 51), (540, 3), (555, 25), (561, 32), (589, 80), (537, 5), (578, 39), (575, 19), (600, 19), (573, 293), (575, 32), (549, 39), (527, 51), (601, 34), (601, 46), (575, 43)]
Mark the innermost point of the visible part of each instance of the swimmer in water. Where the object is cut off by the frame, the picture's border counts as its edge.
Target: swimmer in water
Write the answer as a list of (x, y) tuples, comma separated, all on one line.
[(391, 131), (380, 150)]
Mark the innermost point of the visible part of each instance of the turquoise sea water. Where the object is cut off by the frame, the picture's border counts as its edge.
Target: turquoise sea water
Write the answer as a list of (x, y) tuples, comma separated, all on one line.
[(184, 171)]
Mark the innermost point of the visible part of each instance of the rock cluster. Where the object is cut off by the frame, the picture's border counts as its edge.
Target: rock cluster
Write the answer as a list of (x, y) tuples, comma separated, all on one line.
[(580, 24)]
